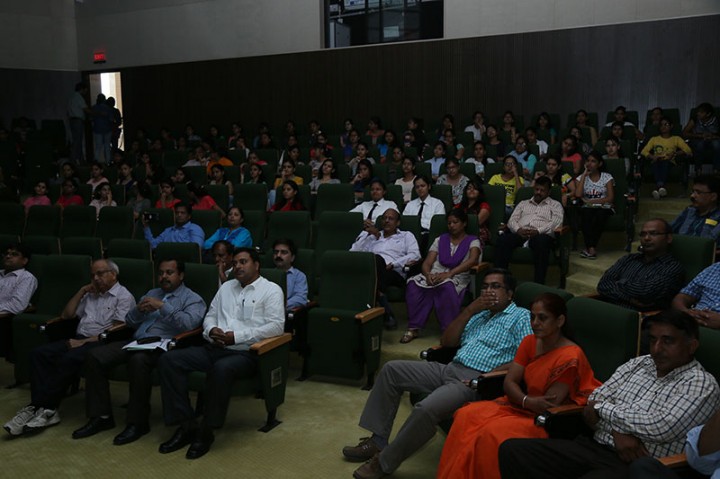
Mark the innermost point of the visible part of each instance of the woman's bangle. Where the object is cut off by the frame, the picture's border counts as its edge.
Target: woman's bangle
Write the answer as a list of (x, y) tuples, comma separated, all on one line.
[(523, 401)]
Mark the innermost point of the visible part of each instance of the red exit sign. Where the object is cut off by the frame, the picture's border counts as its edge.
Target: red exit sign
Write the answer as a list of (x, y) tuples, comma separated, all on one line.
[(99, 57)]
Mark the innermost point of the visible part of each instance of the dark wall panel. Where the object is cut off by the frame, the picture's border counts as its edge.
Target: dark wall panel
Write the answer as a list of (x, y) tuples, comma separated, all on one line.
[(639, 65)]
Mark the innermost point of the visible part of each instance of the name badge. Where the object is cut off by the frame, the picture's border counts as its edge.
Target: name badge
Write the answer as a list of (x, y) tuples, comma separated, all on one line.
[(711, 222)]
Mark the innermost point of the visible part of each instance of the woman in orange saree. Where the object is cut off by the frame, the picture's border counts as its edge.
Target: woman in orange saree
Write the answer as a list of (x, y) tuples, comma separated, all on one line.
[(548, 370)]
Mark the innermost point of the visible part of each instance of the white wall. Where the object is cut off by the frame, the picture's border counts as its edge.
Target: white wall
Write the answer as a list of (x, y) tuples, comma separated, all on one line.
[(147, 32), (476, 18), (38, 35)]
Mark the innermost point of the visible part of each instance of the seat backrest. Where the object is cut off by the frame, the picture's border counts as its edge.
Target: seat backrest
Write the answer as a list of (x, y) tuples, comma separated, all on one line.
[(277, 276), (59, 278), (117, 222), (526, 293), (197, 174), (208, 220), (347, 280), (411, 224), (444, 194), (203, 279), (694, 253), (43, 221), (188, 252), (129, 248), (337, 230), (707, 353), (495, 197), (251, 196), (42, 244), (334, 198), (438, 226), (255, 222), (608, 334), (137, 275), (13, 219), (294, 225), (82, 245)]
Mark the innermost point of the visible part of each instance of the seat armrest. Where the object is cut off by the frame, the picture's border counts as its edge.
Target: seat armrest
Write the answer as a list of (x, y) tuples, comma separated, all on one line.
[(594, 295), (57, 320), (116, 332), (369, 314), (676, 460), (564, 422), (492, 375), (565, 410), (562, 230), (266, 345), (298, 310), (188, 338), (439, 354)]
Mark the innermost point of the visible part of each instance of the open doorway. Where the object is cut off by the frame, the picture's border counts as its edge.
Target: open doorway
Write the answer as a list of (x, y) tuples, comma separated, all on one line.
[(109, 84)]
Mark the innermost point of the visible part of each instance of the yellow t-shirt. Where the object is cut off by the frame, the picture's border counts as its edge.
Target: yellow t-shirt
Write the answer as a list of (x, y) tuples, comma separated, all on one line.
[(509, 188), (663, 147)]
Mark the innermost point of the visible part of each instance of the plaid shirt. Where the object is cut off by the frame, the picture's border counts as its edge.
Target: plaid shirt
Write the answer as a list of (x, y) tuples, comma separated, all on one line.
[(491, 340), (658, 411), (705, 288)]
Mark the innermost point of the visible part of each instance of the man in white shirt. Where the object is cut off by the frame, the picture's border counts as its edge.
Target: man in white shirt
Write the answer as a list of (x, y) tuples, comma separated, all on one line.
[(424, 206), (478, 126), (373, 209), (77, 109), (532, 223), (393, 249), (532, 139), (245, 310)]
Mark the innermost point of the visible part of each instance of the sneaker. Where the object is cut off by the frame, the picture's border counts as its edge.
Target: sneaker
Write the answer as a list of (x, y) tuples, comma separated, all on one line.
[(370, 470), (663, 192), (656, 194), (43, 418), (16, 425), (364, 451)]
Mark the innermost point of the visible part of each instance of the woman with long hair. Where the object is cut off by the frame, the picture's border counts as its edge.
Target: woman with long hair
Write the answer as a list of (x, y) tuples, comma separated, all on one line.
[(596, 191), (289, 200)]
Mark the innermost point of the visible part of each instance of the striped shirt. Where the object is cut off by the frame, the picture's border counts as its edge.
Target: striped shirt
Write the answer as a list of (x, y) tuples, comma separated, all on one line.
[(653, 284), (705, 288), (97, 312), (16, 289), (491, 340), (658, 411), (544, 216)]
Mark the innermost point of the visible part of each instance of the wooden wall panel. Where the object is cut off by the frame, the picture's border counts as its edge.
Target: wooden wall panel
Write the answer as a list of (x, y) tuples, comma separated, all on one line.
[(639, 65)]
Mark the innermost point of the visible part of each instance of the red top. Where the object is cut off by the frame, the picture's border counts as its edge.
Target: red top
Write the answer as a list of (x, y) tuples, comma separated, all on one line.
[(70, 200)]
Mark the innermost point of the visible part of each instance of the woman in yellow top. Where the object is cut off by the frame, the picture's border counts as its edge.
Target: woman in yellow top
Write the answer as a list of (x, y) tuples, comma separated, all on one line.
[(287, 173), (661, 150), (510, 180)]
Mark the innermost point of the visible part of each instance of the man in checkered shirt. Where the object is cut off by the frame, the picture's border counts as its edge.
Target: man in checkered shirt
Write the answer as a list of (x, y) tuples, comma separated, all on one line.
[(645, 409), (488, 333)]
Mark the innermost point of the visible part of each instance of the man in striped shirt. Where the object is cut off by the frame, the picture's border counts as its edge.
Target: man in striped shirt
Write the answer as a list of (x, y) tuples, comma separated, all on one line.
[(646, 408), (647, 280), (532, 224)]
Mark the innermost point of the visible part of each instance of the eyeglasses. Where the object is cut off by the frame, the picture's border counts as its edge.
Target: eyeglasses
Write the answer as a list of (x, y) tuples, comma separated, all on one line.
[(12, 253), (493, 286), (698, 192), (642, 234), (100, 273)]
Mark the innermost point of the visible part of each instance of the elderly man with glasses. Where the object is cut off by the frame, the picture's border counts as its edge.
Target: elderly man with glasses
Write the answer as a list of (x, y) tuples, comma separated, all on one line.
[(55, 365), (488, 333), (647, 280)]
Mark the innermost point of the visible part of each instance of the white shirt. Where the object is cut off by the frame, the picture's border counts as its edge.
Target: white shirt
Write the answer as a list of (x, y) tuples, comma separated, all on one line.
[(477, 132), (398, 249), (367, 206), (433, 206), (252, 313), (97, 312), (76, 106)]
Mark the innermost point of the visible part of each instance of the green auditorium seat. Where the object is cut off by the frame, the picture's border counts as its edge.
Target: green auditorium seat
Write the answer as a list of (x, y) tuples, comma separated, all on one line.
[(188, 252), (43, 221), (294, 225), (78, 221), (13, 219), (129, 248), (137, 275), (117, 222), (251, 197), (82, 245)]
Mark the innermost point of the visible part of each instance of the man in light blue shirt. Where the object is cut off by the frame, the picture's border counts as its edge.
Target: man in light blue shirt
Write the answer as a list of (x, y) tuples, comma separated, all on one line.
[(437, 160), (488, 333), (284, 252), (182, 232)]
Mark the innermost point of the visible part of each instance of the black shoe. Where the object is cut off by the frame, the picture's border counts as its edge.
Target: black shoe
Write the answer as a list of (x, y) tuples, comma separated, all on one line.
[(131, 433), (391, 323), (180, 439), (200, 446), (94, 426)]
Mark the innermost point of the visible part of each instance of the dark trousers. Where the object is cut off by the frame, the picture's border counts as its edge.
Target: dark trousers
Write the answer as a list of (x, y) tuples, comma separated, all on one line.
[(650, 468), (559, 459), (541, 245), (386, 277), (221, 365), (53, 368), (77, 133), (140, 365), (593, 224), (6, 338)]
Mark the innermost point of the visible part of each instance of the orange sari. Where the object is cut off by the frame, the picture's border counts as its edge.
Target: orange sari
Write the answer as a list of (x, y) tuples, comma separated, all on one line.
[(471, 448)]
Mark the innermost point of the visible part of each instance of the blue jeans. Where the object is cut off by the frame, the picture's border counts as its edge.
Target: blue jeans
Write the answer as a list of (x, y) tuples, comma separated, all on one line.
[(103, 147)]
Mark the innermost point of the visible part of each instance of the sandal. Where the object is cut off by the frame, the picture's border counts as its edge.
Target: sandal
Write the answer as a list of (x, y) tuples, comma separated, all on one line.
[(409, 335)]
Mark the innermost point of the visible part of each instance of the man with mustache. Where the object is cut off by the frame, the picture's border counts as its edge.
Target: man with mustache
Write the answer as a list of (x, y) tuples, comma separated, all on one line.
[(284, 252), (161, 314), (702, 218)]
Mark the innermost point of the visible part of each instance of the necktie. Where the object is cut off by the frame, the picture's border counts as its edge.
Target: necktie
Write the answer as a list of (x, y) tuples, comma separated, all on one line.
[(422, 207), (369, 216)]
